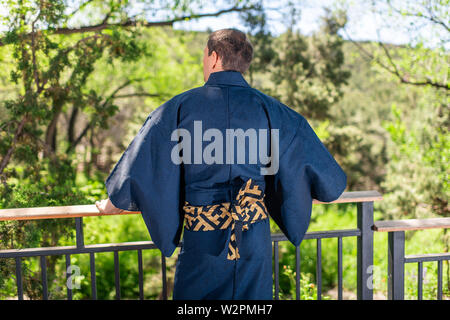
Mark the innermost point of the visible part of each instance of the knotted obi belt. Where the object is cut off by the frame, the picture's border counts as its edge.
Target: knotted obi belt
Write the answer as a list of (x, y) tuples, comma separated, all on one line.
[(248, 207)]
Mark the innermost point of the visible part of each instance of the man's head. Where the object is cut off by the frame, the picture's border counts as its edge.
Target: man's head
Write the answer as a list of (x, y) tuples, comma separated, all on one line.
[(227, 49)]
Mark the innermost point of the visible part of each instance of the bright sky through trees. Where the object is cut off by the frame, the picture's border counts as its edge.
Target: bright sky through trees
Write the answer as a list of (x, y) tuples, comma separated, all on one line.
[(363, 23), (364, 20)]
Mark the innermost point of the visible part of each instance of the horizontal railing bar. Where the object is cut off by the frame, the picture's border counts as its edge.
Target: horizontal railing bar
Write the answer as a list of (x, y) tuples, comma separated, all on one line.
[(332, 234), (427, 257), (93, 248), (91, 210), (411, 224), (321, 234), (143, 245)]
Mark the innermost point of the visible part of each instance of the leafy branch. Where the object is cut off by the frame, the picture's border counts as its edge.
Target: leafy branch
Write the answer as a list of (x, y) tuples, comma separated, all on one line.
[(131, 22)]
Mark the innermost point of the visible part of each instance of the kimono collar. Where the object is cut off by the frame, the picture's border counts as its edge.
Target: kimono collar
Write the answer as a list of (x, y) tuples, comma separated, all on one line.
[(229, 77)]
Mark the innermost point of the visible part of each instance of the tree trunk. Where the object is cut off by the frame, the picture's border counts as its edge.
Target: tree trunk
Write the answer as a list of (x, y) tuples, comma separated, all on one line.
[(71, 127), (8, 154), (50, 135)]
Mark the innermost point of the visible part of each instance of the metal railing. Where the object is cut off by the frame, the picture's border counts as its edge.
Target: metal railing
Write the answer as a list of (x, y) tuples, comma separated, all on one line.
[(364, 232), (396, 254)]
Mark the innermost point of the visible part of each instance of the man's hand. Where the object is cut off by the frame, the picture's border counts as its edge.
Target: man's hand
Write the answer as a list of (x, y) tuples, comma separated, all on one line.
[(106, 206)]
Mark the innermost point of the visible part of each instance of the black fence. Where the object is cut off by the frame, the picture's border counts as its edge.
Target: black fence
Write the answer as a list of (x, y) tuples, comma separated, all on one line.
[(396, 254), (364, 233)]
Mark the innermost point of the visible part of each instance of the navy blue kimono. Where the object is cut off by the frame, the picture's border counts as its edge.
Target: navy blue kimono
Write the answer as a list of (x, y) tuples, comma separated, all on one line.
[(147, 179)]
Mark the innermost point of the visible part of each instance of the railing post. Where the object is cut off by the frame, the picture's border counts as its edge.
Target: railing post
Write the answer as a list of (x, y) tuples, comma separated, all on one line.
[(276, 270), (396, 265), (164, 277), (365, 251), (79, 232), (19, 278)]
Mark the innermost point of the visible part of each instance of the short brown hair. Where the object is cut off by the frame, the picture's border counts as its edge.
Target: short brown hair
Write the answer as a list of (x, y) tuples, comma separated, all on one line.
[(233, 47)]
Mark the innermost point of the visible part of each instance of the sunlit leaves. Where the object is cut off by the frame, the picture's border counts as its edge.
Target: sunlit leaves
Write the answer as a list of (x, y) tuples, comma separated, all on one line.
[(308, 72)]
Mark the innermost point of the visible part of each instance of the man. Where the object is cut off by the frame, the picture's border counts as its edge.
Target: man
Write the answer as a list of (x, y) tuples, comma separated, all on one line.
[(221, 159)]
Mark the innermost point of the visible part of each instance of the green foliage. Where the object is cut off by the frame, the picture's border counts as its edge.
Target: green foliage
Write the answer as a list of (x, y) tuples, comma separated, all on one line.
[(417, 178), (426, 24), (305, 73), (83, 96), (308, 72), (53, 187), (308, 290), (52, 73)]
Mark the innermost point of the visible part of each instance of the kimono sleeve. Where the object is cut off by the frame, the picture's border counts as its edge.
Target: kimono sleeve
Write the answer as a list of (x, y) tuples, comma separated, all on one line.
[(307, 171), (145, 179)]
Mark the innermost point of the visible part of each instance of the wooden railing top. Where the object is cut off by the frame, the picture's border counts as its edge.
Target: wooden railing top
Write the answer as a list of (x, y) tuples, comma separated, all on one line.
[(411, 224), (356, 196), (91, 210)]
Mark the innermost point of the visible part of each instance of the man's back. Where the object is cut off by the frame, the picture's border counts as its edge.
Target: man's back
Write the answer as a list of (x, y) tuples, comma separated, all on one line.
[(216, 163), (231, 128)]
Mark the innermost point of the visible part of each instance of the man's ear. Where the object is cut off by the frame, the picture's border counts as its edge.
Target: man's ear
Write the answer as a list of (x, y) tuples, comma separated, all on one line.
[(216, 58)]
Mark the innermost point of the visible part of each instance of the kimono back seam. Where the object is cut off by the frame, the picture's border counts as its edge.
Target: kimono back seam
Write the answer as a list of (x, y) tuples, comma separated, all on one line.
[(147, 179)]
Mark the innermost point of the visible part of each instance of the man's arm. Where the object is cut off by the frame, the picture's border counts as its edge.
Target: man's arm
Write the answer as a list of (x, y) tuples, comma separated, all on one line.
[(106, 206)]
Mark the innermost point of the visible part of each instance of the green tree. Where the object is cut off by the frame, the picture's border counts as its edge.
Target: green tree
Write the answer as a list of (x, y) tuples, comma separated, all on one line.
[(418, 171), (308, 71), (53, 50)]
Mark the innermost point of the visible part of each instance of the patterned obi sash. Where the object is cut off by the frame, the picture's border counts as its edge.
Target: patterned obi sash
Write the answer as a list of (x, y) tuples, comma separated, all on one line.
[(247, 208)]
